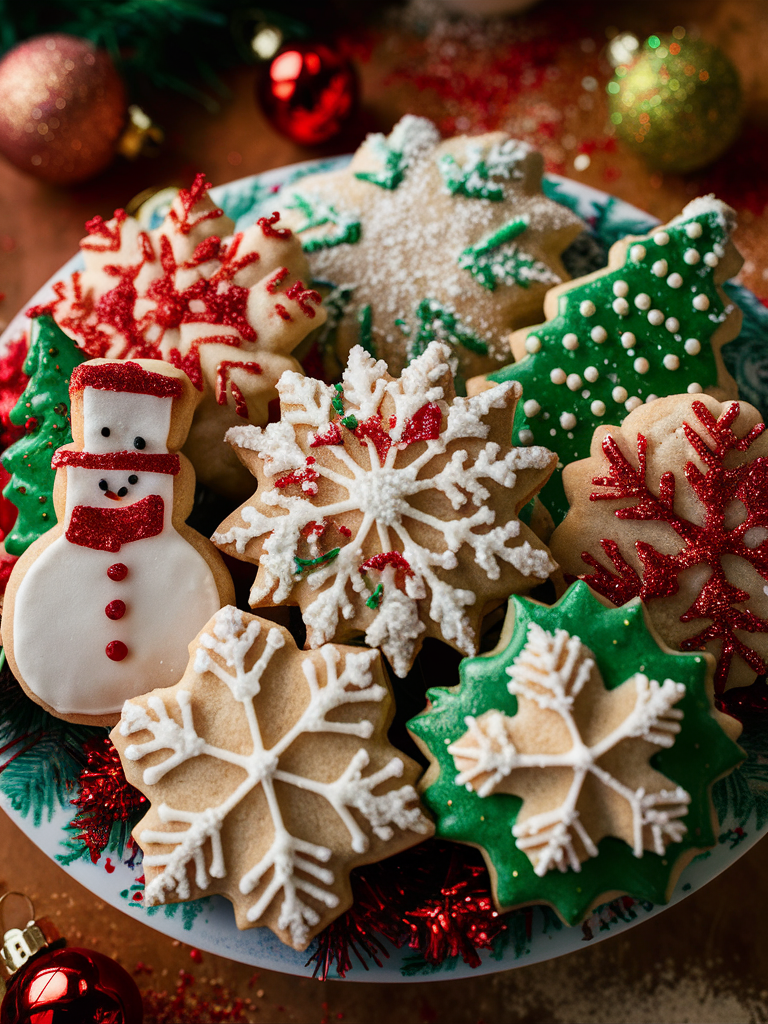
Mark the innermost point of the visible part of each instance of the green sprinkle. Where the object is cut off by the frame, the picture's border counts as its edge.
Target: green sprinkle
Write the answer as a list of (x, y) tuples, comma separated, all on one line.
[(310, 565), (375, 599)]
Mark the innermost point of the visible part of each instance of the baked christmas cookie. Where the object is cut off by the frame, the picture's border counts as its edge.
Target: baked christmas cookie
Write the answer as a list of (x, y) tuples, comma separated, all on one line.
[(650, 324), (423, 240), (671, 507), (228, 309), (103, 605), (388, 507), (270, 776), (578, 756)]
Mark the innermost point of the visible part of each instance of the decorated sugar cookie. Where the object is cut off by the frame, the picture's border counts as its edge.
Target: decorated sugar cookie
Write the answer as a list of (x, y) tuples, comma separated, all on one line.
[(388, 507), (228, 309), (102, 607), (650, 324), (578, 756), (671, 507), (425, 240), (270, 776)]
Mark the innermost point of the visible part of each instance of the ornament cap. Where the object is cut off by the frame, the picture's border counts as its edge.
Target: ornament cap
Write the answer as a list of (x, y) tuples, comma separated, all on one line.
[(20, 944)]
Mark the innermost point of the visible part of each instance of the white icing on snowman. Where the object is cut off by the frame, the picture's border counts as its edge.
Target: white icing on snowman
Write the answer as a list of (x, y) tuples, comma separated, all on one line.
[(107, 610)]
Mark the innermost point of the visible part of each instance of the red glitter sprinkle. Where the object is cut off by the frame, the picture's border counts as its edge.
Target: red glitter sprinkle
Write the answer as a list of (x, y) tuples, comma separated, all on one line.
[(223, 372), (282, 312), (109, 867), (331, 436), (117, 572), (196, 955), (276, 280), (115, 610), (100, 228), (188, 198), (107, 529), (265, 223), (308, 475), (705, 545), (128, 377), (345, 530), (116, 650), (381, 561), (304, 296), (424, 425), (132, 462)]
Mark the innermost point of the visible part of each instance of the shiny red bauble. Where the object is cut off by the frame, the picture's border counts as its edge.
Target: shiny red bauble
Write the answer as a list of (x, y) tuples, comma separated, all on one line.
[(71, 986), (308, 92), (63, 108)]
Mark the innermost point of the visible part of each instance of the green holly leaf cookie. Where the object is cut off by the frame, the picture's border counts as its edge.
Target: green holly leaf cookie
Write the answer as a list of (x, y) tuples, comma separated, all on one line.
[(648, 325), (578, 756)]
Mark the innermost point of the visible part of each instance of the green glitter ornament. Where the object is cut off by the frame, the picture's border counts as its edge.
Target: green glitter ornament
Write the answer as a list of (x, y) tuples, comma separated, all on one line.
[(678, 104)]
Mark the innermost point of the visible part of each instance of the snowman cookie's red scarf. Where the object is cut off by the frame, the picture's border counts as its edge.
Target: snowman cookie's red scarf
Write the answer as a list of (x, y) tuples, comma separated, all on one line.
[(106, 529)]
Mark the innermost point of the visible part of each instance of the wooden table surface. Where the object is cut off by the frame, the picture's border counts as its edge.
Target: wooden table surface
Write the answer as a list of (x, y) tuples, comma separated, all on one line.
[(704, 960)]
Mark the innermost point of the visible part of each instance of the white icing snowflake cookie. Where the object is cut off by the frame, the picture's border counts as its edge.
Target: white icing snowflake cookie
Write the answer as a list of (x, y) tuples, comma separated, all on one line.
[(228, 309), (388, 507), (270, 776), (425, 240)]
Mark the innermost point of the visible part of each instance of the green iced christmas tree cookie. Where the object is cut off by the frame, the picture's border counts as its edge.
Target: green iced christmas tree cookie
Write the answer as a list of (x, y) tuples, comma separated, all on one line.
[(650, 324), (578, 756), (44, 409)]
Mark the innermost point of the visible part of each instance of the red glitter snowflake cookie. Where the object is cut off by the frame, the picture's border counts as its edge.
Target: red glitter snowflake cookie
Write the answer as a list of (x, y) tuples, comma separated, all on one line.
[(228, 309), (388, 507), (672, 507)]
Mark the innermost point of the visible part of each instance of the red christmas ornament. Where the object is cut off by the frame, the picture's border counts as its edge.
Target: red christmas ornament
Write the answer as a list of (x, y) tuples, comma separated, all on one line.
[(64, 108), (308, 92), (50, 984)]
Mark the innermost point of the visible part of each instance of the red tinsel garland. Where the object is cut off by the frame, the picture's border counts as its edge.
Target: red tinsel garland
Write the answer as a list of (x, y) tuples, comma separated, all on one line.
[(434, 898), (105, 797)]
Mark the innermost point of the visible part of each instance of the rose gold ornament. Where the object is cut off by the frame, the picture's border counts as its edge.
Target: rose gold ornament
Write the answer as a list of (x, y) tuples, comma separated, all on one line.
[(63, 108)]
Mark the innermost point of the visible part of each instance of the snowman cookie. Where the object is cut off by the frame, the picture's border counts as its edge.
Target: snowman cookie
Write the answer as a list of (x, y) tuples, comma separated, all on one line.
[(102, 607)]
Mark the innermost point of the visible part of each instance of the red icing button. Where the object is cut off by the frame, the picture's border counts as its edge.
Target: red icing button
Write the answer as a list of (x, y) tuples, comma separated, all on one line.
[(115, 610), (117, 572), (116, 650)]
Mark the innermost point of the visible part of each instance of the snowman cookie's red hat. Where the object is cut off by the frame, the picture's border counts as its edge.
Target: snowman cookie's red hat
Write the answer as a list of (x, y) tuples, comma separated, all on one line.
[(126, 377)]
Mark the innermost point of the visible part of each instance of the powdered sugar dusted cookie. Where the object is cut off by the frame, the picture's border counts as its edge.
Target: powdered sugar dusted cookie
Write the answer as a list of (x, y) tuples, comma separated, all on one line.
[(270, 776), (651, 323), (578, 756), (228, 309), (671, 507), (388, 507), (426, 240), (103, 606)]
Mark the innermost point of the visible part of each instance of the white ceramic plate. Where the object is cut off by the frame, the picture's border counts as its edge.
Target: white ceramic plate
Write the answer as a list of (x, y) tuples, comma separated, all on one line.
[(209, 924)]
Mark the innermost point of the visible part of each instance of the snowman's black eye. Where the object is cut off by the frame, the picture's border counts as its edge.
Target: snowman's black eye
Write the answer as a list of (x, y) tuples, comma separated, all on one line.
[(133, 479), (139, 442), (105, 431), (122, 492), (103, 485)]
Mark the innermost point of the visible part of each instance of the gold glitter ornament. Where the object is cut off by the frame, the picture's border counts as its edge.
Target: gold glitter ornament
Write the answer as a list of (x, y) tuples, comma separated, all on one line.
[(678, 104), (63, 108)]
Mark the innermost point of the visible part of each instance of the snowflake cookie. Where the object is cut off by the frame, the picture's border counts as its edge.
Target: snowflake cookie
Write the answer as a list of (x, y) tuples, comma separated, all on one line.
[(650, 324), (578, 756), (228, 309), (270, 776), (671, 507), (424, 240), (388, 506)]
